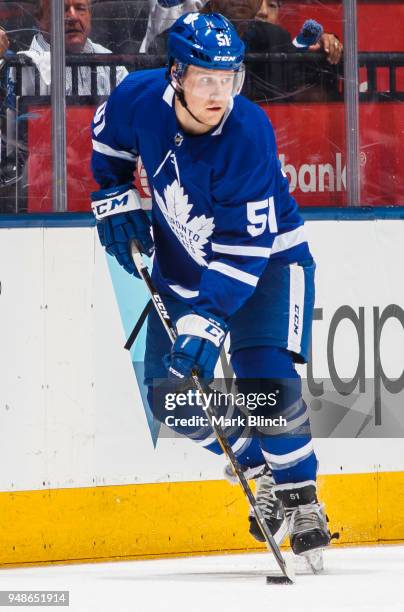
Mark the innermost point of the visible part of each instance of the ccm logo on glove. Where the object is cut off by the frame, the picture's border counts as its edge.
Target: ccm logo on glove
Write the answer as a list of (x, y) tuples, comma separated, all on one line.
[(121, 219), (122, 202), (195, 325)]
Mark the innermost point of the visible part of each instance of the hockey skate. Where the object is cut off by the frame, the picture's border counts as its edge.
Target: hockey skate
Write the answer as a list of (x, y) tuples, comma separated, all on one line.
[(308, 530), (270, 505)]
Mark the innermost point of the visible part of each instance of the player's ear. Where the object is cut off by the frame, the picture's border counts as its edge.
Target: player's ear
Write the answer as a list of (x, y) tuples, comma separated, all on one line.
[(175, 77)]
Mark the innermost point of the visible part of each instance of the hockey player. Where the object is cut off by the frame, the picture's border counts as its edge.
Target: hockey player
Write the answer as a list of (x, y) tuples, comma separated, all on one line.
[(231, 253)]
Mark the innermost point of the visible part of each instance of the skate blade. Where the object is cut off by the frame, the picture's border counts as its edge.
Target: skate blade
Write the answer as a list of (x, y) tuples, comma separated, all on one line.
[(314, 559)]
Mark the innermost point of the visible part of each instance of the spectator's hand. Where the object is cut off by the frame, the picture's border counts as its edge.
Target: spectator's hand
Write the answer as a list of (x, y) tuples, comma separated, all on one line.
[(4, 43), (331, 46)]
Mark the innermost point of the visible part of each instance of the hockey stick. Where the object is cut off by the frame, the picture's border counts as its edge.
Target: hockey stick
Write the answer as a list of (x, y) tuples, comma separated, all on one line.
[(287, 576), (138, 326)]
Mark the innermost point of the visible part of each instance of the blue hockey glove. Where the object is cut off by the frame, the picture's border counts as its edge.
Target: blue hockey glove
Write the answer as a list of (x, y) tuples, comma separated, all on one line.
[(197, 347), (120, 219)]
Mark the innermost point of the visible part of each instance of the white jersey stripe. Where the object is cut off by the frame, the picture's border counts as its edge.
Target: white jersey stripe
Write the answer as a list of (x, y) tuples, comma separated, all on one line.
[(107, 150), (290, 239), (291, 486), (184, 292), (205, 442), (297, 454), (240, 443), (244, 277), (249, 251), (296, 307)]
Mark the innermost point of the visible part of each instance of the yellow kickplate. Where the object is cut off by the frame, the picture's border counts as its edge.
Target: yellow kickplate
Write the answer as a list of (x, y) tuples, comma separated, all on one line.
[(168, 519)]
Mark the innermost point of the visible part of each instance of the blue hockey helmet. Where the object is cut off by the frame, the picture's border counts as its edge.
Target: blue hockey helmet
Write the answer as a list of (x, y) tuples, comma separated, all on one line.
[(206, 40)]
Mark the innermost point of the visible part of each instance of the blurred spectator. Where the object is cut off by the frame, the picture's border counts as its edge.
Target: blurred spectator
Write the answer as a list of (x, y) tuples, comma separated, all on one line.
[(120, 24), (268, 12), (280, 80), (285, 80), (257, 23), (77, 30), (162, 15), (240, 12)]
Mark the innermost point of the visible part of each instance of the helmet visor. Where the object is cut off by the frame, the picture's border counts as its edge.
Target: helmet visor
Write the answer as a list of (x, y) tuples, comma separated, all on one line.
[(210, 85)]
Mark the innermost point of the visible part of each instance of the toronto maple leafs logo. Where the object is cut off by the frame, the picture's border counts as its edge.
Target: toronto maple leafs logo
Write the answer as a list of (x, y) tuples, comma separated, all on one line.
[(191, 18), (192, 232)]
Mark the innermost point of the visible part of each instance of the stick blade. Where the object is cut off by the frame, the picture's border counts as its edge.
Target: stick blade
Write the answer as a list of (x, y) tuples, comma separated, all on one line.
[(279, 579)]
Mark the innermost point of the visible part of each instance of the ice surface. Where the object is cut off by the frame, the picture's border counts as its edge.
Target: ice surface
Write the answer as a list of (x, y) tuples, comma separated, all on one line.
[(355, 579)]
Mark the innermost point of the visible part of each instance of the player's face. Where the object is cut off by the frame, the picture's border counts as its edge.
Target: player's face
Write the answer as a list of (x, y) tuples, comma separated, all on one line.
[(77, 23), (208, 92), (268, 11)]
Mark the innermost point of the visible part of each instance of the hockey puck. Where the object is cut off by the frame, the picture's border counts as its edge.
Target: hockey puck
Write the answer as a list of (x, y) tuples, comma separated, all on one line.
[(278, 580)]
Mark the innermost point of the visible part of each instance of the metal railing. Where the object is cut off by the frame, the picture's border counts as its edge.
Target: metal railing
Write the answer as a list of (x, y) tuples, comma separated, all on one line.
[(311, 66), (372, 62), (275, 78)]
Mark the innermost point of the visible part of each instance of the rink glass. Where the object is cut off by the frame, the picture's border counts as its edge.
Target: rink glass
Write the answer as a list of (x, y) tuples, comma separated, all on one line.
[(337, 126)]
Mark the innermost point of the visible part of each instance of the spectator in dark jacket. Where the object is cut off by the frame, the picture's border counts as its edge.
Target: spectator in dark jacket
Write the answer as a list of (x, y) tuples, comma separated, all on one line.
[(269, 12), (285, 80)]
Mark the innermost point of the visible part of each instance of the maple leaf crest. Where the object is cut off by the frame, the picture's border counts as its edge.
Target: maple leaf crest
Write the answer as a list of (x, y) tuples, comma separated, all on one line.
[(192, 233), (191, 18)]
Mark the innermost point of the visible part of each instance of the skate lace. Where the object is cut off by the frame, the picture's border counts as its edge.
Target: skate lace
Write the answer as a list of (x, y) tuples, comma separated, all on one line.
[(253, 473), (266, 498), (306, 518)]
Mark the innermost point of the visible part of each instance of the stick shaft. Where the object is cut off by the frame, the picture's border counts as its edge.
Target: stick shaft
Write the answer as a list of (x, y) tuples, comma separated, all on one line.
[(220, 435)]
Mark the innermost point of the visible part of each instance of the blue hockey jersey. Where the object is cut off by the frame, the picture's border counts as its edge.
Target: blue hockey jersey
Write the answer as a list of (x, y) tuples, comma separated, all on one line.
[(221, 204)]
